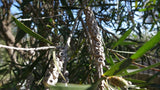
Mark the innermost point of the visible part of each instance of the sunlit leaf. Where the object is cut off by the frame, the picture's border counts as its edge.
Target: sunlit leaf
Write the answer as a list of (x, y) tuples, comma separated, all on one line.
[(147, 46), (123, 38), (29, 31), (111, 60), (141, 10), (118, 67), (136, 3), (154, 1)]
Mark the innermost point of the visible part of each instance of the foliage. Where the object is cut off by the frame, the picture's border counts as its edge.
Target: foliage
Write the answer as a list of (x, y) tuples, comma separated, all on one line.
[(41, 23)]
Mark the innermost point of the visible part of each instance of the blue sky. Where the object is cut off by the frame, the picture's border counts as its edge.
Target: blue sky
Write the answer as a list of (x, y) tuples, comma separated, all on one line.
[(14, 9)]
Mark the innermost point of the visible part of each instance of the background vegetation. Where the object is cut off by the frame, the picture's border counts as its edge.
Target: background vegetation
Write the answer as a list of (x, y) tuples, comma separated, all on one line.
[(130, 31)]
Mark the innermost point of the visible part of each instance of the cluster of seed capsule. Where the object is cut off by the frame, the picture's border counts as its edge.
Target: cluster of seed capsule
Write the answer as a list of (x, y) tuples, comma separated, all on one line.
[(52, 73), (96, 40), (55, 67)]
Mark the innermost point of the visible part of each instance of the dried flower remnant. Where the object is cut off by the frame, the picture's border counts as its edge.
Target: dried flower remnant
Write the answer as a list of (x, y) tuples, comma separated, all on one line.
[(118, 81)]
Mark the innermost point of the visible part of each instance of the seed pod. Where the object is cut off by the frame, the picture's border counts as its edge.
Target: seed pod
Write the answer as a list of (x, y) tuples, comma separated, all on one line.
[(61, 54), (101, 49), (101, 60), (98, 44), (93, 34), (98, 37), (97, 53)]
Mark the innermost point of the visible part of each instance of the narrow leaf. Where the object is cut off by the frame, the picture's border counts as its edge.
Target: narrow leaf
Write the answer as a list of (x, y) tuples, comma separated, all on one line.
[(140, 70), (136, 3), (111, 60), (62, 86), (118, 67), (127, 43), (132, 67), (123, 38), (29, 31), (141, 10), (147, 46)]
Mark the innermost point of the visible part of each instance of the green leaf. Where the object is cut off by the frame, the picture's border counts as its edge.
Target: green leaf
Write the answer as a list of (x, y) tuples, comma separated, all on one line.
[(20, 33), (154, 1), (121, 66), (29, 31), (62, 86), (111, 60), (141, 10), (136, 3), (150, 8), (48, 26), (135, 80), (118, 67), (132, 67), (140, 70), (147, 46), (123, 38), (127, 43)]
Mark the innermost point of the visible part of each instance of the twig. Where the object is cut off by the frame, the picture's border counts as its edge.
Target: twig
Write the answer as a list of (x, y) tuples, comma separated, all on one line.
[(121, 51), (73, 29), (64, 57), (27, 49), (29, 19)]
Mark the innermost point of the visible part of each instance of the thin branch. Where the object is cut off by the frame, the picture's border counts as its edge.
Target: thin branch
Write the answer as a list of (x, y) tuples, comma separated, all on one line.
[(29, 19), (121, 51), (28, 49), (73, 29), (64, 51)]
